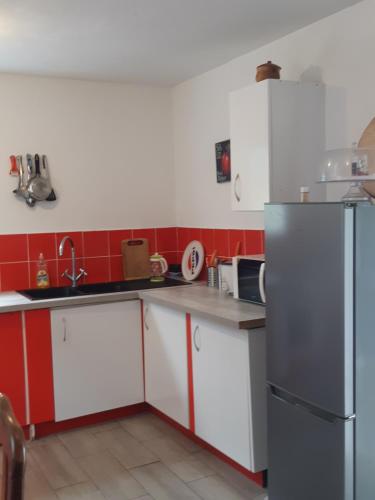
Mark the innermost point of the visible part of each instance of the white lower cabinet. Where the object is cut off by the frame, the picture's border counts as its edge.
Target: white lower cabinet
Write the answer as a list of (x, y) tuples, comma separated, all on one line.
[(166, 372), (97, 358), (230, 391)]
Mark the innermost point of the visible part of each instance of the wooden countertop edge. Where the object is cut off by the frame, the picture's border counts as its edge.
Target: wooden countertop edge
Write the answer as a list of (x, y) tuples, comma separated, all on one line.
[(248, 324), (240, 323), (253, 323)]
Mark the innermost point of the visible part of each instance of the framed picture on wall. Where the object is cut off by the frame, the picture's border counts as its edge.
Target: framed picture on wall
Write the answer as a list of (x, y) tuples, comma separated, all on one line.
[(222, 151)]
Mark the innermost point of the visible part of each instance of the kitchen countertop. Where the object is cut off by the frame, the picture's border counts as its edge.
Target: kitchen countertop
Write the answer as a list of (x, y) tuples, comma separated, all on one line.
[(13, 301), (195, 299), (210, 303)]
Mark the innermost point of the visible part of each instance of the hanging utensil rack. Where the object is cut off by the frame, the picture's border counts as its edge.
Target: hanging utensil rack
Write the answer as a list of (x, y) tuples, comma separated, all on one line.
[(34, 182)]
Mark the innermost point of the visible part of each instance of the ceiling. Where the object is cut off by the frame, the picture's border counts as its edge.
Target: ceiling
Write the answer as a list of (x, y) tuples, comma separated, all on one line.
[(160, 42)]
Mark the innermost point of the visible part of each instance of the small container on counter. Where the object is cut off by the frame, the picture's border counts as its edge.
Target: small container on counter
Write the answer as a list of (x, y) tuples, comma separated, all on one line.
[(225, 275), (159, 266), (212, 277), (304, 194), (42, 276)]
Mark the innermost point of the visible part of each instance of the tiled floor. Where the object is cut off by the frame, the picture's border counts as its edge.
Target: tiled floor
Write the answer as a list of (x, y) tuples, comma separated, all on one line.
[(140, 457)]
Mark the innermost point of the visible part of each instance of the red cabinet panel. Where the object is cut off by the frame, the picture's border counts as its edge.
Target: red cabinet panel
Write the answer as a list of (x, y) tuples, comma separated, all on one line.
[(12, 372), (39, 365)]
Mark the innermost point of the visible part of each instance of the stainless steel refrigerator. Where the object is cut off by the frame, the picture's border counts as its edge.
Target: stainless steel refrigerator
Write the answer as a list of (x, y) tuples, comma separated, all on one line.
[(320, 327)]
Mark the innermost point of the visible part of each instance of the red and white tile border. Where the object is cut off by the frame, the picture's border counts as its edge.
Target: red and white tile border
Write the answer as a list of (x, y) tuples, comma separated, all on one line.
[(99, 251)]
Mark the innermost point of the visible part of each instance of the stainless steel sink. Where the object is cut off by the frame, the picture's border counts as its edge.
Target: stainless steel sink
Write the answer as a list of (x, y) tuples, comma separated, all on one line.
[(97, 289)]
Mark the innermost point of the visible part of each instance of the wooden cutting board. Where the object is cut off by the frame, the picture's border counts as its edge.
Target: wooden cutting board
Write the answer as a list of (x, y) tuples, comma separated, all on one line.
[(368, 140), (135, 258)]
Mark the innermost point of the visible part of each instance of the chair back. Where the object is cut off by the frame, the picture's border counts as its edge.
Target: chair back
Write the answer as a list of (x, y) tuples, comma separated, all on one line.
[(12, 440)]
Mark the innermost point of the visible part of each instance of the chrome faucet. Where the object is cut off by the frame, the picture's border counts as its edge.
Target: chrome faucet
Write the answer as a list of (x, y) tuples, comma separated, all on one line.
[(73, 277)]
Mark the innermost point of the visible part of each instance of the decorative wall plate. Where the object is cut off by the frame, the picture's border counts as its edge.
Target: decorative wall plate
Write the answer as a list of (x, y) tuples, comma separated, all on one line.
[(192, 260)]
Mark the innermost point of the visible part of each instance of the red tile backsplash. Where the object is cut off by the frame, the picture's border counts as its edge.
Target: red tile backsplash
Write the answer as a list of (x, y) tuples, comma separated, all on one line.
[(172, 257), (96, 243), (97, 268), (13, 248), (99, 252), (253, 242), (116, 268), (221, 242), (166, 239), (115, 239), (187, 234), (14, 276), (236, 237), (44, 243), (207, 239)]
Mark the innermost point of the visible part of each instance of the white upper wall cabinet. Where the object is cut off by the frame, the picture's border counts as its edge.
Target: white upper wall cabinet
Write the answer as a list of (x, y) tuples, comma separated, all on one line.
[(277, 132)]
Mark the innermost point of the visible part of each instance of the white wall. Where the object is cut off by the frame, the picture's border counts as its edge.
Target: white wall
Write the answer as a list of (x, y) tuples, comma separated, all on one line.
[(109, 148), (339, 50)]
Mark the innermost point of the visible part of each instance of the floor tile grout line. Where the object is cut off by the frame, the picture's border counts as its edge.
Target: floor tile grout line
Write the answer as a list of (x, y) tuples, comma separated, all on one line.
[(165, 436), (214, 473), (219, 476), (129, 469), (191, 454), (85, 430), (229, 481), (160, 460), (109, 448), (49, 483), (173, 473), (124, 470), (72, 458), (88, 480)]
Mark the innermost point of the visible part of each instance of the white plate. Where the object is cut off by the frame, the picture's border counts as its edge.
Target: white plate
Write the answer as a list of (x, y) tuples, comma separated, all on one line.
[(192, 260)]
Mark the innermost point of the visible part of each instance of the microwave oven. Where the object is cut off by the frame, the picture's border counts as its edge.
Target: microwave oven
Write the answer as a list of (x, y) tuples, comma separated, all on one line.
[(249, 273)]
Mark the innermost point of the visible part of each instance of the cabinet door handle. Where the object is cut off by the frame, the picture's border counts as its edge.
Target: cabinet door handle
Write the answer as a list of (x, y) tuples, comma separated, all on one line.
[(145, 319), (195, 337), (236, 193), (65, 332)]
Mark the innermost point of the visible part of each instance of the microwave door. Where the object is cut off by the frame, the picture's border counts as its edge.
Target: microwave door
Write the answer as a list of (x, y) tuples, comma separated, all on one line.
[(248, 280)]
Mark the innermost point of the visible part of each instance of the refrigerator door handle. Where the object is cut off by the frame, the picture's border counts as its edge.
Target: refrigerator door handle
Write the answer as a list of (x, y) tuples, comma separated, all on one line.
[(262, 288), (287, 398)]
